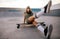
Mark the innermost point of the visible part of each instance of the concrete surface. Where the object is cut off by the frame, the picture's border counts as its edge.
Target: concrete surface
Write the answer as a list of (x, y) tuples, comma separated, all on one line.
[(8, 28)]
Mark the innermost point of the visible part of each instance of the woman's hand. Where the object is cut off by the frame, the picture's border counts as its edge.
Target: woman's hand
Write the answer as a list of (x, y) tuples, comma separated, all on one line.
[(24, 17)]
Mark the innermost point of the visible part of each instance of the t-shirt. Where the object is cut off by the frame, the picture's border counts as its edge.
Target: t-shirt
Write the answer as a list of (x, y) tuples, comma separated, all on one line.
[(28, 15)]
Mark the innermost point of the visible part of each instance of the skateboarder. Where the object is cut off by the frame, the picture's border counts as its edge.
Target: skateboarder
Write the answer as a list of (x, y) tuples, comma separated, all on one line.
[(30, 19)]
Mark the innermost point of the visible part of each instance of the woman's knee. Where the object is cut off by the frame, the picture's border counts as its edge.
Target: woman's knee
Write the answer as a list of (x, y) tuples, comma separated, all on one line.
[(31, 18)]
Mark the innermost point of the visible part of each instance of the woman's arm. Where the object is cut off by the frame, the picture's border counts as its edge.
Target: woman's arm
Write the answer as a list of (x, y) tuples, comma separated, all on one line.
[(24, 17)]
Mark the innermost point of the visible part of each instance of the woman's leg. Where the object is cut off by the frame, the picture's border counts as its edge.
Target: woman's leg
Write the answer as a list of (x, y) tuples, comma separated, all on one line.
[(39, 27), (44, 10), (34, 23), (46, 31), (31, 19), (40, 13)]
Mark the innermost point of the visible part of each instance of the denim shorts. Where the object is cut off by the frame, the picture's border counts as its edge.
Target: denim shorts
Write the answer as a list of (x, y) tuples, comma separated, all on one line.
[(29, 22)]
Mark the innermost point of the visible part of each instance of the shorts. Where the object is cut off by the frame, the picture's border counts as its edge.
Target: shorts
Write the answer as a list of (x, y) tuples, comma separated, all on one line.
[(29, 22)]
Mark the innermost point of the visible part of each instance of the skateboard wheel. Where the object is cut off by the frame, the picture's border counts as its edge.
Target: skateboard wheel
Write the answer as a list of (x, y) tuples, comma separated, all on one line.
[(18, 26)]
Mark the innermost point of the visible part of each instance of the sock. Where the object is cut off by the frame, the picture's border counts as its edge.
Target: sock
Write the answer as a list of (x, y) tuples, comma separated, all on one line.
[(40, 28), (40, 13)]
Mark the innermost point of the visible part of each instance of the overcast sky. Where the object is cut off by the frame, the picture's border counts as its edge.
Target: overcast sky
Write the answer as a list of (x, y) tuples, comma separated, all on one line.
[(25, 3)]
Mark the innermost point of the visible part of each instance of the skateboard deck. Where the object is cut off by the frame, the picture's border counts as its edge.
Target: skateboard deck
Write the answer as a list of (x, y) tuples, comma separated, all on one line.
[(26, 25)]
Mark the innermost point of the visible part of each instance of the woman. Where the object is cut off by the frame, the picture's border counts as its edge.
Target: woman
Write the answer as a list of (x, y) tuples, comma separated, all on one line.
[(30, 19), (28, 13)]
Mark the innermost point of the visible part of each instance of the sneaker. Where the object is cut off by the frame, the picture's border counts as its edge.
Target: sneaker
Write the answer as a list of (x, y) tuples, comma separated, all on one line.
[(48, 31), (47, 7), (45, 31)]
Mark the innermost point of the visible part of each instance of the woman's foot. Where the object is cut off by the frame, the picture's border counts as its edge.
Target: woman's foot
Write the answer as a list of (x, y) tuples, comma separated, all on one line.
[(47, 7), (48, 31)]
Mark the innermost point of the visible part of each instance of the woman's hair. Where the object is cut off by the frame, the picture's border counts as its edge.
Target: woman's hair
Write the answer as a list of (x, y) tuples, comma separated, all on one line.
[(29, 10)]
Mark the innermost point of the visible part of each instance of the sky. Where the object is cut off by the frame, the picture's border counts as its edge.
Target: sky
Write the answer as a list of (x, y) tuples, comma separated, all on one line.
[(25, 3)]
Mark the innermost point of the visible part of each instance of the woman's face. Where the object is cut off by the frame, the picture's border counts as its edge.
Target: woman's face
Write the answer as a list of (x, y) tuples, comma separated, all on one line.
[(28, 10)]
